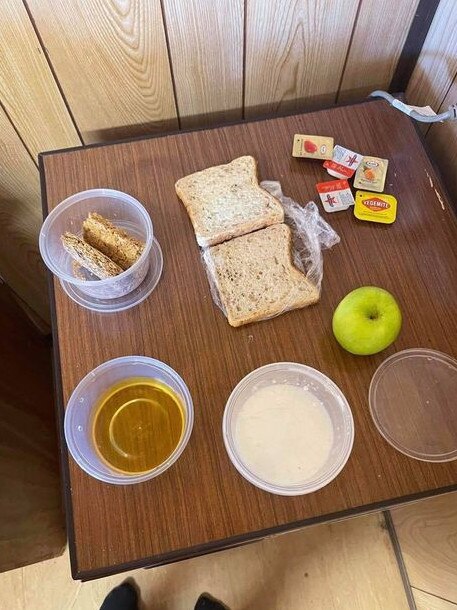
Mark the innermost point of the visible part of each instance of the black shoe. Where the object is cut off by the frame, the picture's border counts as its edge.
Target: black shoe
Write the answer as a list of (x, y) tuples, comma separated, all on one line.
[(206, 602), (123, 597)]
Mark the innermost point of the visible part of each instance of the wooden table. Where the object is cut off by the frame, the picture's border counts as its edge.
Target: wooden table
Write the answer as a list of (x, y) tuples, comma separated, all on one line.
[(202, 504)]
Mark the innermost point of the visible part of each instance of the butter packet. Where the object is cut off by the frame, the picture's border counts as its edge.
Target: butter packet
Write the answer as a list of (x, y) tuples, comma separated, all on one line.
[(312, 147), (375, 208), (335, 195), (371, 174), (344, 162)]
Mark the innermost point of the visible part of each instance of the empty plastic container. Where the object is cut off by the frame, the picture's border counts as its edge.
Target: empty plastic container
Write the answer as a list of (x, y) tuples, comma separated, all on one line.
[(332, 400), (123, 211), (79, 414)]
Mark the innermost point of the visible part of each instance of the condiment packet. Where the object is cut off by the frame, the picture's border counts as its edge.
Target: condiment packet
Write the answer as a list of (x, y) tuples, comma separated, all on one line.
[(335, 195), (312, 147), (344, 162), (371, 174), (375, 208)]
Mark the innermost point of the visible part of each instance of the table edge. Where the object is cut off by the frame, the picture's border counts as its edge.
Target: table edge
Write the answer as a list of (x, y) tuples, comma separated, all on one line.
[(58, 395), (251, 537), (225, 543)]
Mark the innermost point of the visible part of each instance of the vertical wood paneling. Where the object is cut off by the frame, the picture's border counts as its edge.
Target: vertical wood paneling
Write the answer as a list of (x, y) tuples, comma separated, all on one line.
[(437, 63), (27, 87), (128, 67), (295, 52), (110, 57), (434, 83), (20, 219), (442, 139), (377, 42), (206, 48)]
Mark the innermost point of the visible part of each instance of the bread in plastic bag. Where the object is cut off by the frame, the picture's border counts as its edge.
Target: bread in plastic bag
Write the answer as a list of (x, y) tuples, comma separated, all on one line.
[(310, 235)]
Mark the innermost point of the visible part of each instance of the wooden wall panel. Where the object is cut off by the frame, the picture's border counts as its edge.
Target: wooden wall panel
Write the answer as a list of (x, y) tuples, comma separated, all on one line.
[(295, 52), (20, 220), (437, 63), (28, 91), (434, 83), (110, 57), (377, 43), (130, 67), (442, 139), (206, 49)]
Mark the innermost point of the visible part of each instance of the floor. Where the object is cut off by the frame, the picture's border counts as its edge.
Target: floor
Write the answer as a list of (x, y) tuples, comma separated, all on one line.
[(388, 561)]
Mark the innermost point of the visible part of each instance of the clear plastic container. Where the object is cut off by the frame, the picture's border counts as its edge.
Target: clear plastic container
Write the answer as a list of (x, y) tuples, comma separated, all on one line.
[(332, 399), (412, 400), (127, 301), (80, 412), (122, 210)]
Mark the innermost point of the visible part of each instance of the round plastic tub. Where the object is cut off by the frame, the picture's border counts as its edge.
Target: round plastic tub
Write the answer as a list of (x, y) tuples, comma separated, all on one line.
[(331, 398), (80, 412), (412, 402), (122, 210)]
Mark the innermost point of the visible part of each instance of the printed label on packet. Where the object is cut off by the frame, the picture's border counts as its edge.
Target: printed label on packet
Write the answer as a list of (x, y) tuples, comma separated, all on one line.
[(335, 195), (344, 162), (371, 174), (312, 147), (375, 208)]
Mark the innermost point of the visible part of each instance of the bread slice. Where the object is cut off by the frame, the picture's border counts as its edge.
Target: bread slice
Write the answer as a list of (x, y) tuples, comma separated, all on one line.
[(226, 201), (256, 278), (115, 243), (89, 258)]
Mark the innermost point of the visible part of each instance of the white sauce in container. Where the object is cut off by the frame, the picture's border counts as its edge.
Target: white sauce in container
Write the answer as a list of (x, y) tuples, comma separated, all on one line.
[(283, 434)]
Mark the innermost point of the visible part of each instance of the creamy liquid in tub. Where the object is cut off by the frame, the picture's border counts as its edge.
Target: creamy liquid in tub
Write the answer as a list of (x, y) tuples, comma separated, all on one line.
[(283, 434)]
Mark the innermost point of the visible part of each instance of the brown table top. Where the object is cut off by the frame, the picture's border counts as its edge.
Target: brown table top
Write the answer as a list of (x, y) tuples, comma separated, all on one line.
[(202, 503)]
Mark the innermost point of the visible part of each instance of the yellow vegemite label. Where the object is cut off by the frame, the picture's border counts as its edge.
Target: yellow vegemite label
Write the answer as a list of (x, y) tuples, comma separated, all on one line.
[(375, 208)]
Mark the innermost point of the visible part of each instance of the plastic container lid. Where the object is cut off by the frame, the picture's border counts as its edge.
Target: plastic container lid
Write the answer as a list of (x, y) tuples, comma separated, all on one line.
[(412, 402), (331, 398)]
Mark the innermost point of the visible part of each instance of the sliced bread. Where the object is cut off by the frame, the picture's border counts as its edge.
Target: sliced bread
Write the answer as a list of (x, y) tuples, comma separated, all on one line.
[(113, 242), (89, 258), (226, 201), (256, 278)]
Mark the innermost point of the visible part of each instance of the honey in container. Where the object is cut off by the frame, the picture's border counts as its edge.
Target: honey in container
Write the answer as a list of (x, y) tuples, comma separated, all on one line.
[(137, 424)]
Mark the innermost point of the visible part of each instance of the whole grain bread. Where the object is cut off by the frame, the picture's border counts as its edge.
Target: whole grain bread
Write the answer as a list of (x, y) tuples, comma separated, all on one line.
[(255, 276), (89, 258), (112, 241), (226, 201)]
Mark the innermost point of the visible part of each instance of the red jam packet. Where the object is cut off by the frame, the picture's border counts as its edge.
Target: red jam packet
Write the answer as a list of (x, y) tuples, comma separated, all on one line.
[(312, 147)]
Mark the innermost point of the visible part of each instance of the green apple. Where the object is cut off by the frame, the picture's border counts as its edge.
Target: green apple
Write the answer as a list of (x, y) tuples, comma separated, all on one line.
[(366, 321)]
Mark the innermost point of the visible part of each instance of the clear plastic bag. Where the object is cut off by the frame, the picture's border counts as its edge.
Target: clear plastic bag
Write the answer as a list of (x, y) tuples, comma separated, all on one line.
[(311, 234)]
